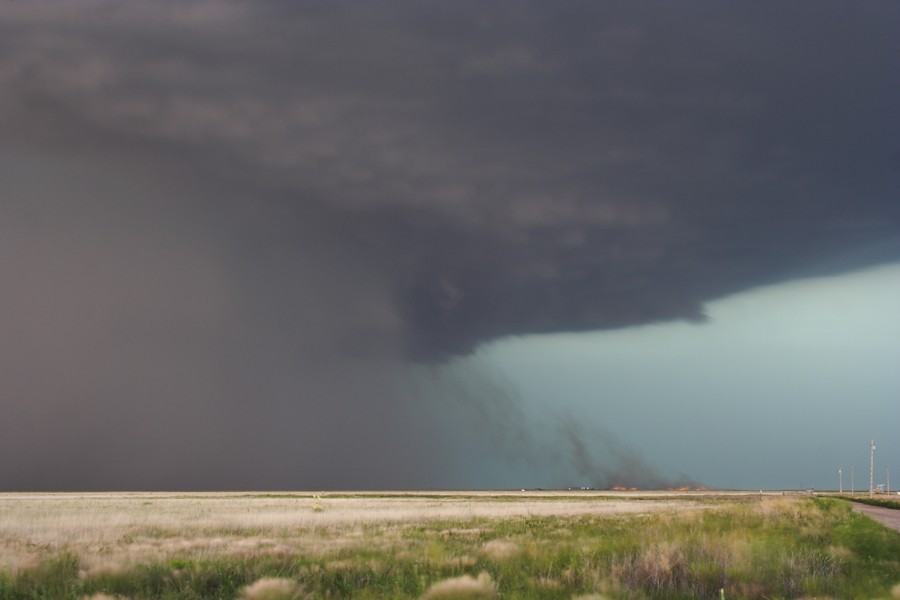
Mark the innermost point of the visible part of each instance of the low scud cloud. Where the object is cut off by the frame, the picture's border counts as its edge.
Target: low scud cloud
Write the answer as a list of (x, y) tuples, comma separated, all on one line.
[(231, 234)]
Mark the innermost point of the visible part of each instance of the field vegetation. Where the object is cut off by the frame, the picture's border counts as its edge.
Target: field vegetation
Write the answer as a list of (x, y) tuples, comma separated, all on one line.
[(881, 501), (441, 545)]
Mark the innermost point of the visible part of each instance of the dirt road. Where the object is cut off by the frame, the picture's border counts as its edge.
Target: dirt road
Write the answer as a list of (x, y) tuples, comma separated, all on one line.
[(885, 516)]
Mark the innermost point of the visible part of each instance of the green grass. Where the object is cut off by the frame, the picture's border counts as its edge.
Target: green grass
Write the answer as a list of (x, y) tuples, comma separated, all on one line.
[(811, 547), (878, 502)]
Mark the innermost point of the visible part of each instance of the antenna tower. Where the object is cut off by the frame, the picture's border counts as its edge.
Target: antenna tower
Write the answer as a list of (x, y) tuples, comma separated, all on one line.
[(871, 468)]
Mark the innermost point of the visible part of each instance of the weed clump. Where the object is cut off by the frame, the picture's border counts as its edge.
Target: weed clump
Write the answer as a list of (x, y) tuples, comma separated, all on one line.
[(272, 588), (463, 588), (498, 550)]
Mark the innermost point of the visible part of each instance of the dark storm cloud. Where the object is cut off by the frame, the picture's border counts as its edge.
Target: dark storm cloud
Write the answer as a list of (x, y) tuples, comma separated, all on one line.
[(152, 344), (521, 168), (215, 200)]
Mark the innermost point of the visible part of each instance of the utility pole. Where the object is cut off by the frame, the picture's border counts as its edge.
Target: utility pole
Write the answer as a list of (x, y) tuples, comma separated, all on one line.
[(888, 470), (841, 478), (871, 468), (852, 485)]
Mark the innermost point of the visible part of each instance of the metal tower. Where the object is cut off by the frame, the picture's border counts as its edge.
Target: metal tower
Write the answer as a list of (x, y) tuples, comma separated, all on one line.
[(871, 468)]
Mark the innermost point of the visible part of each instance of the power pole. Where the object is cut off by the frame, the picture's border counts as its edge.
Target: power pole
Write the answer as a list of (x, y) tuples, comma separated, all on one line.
[(888, 470), (841, 478), (852, 484), (871, 468)]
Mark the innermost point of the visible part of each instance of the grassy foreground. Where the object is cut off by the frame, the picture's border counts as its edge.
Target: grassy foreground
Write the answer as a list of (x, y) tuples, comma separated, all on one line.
[(443, 546)]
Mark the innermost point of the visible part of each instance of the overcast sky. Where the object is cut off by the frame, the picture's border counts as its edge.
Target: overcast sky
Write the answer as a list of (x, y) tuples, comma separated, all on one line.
[(417, 244)]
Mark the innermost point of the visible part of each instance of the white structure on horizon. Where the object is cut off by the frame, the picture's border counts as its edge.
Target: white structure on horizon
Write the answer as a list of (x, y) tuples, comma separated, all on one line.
[(871, 468)]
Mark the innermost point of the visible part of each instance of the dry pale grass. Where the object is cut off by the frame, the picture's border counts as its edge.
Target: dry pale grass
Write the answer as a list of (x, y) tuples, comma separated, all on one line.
[(111, 532), (272, 588), (463, 588), (498, 550)]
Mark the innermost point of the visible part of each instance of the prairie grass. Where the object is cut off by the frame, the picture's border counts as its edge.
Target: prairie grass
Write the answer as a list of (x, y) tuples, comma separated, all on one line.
[(458, 588), (437, 545), (882, 502), (272, 588)]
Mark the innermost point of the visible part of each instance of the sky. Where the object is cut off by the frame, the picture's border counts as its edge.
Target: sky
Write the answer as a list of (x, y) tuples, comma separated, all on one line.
[(397, 244)]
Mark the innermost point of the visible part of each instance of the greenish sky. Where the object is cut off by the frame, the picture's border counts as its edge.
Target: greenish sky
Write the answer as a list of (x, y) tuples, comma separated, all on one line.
[(781, 386)]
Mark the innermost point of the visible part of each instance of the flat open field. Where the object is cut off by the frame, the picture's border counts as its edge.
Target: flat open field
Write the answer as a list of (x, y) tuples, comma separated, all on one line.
[(527, 544), (123, 529)]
